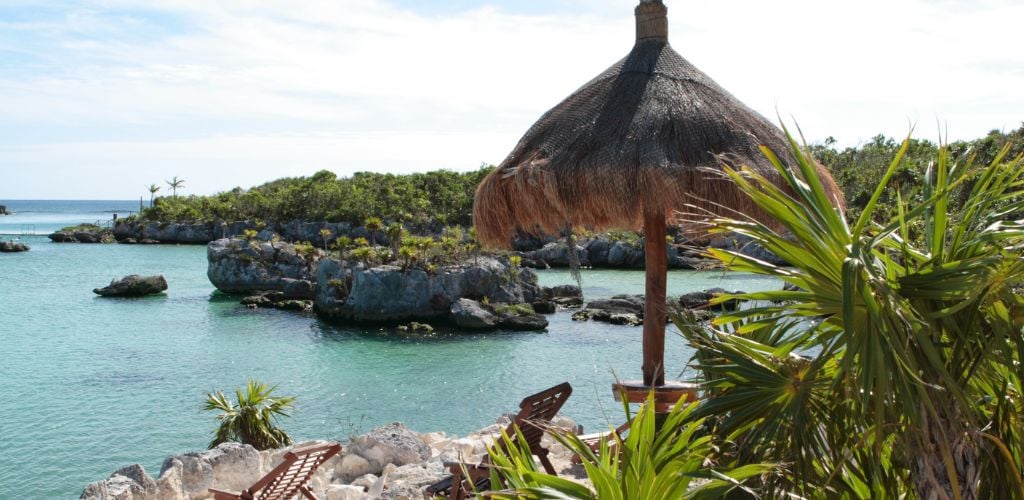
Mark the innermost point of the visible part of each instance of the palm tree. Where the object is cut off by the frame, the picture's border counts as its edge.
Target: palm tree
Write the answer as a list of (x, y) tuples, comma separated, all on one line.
[(373, 224), (153, 188), (893, 366), (175, 183), (253, 419)]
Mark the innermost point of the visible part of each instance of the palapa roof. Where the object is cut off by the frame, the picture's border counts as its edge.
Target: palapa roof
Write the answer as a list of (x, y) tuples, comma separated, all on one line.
[(639, 137)]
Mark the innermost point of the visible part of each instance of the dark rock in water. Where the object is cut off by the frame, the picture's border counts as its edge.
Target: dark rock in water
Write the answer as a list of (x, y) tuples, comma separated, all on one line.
[(86, 233), (299, 289), (257, 300), (702, 300), (544, 307), (620, 310), (416, 327), (148, 241), (133, 286), (554, 254), (470, 314), (563, 296), (526, 322), (3, 210), (13, 246), (293, 305)]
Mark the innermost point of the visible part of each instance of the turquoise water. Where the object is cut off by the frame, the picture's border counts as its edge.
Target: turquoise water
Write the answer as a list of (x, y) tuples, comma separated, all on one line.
[(89, 384), (46, 216)]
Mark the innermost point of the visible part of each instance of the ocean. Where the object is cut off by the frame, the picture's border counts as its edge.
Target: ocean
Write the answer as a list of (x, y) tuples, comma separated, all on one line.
[(90, 384)]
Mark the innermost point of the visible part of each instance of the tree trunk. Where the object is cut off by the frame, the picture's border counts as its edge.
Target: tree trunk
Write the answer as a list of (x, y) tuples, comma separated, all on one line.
[(931, 478)]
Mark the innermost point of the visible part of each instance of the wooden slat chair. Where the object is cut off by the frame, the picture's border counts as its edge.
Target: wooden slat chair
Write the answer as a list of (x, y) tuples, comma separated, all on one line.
[(593, 441), (288, 479), (537, 409)]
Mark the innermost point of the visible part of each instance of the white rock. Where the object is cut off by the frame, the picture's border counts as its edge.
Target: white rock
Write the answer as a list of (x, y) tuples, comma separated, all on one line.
[(352, 466), (345, 492)]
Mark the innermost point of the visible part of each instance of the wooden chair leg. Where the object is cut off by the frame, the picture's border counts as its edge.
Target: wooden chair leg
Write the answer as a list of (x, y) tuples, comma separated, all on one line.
[(548, 466), (306, 493)]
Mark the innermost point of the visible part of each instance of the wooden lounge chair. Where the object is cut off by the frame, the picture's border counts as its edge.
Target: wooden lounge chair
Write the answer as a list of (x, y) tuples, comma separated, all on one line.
[(533, 410), (288, 479), (593, 441)]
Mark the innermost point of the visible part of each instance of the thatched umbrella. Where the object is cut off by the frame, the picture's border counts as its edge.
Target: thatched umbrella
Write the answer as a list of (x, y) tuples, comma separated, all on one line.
[(640, 142)]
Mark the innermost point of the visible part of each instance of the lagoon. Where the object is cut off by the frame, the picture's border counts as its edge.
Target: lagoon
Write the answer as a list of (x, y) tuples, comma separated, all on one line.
[(90, 384)]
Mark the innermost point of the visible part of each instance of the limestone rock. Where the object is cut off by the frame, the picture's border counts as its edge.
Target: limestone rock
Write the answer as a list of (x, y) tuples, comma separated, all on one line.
[(470, 314), (702, 300), (127, 483), (238, 266), (347, 291), (391, 444), (620, 310), (133, 286)]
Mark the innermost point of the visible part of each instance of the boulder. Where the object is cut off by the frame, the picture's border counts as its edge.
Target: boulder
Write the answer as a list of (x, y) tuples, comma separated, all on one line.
[(471, 315), (229, 466), (126, 484), (619, 310), (523, 322), (563, 296), (13, 246), (390, 444), (702, 300), (133, 286)]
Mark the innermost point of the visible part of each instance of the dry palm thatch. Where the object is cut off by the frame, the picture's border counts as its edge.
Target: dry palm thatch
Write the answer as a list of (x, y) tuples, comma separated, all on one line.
[(647, 136)]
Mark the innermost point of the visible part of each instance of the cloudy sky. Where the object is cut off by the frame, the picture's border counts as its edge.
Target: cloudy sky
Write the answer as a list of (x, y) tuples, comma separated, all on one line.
[(99, 98)]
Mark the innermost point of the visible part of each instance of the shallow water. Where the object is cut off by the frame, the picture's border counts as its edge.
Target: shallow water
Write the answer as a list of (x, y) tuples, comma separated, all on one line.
[(90, 384)]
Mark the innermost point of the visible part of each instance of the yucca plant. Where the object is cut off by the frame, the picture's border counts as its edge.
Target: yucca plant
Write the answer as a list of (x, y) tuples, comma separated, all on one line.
[(670, 460), (253, 420), (893, 365)]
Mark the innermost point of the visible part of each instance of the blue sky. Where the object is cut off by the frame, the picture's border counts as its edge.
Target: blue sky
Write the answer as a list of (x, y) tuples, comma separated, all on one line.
[(99, 98)]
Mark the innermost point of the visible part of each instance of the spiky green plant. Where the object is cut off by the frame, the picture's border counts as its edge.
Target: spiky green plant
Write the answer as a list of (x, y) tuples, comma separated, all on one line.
[(253, 419), (652, 461), (894, 366)]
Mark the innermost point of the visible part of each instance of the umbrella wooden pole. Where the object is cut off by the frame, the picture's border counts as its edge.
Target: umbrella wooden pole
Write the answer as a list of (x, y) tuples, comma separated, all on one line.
[(656, 256)]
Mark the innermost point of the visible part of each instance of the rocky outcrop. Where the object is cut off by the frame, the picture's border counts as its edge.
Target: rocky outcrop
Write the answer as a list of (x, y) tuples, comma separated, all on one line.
[(13, 247), (472, 315), (395, 459), (629, 309), (242, 266), (276, 300), (133, 286), (86, 233), (553, 298), (618, 310), (386, 293)]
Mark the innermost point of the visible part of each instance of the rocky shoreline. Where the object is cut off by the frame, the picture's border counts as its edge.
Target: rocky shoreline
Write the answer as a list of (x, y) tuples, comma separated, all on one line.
[(611, 250), (407, 461)]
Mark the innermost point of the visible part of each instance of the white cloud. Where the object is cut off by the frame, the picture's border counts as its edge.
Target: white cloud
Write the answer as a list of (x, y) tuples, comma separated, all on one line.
[(248, 91)]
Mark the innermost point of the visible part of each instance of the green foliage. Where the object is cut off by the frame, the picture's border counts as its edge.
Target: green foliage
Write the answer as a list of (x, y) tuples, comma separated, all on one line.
[(82, 227), (253, 419), (443, 197), (250, 234), (514, 309), (894, 366), (670, 462)]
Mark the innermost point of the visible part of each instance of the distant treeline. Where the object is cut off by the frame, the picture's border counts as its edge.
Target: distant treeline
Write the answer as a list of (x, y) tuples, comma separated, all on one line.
[(446, 198), (441, 197)]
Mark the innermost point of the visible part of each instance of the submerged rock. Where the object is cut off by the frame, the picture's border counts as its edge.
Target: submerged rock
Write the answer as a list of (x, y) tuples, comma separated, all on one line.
[(702, 300), (133, 286), (13, 246)]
